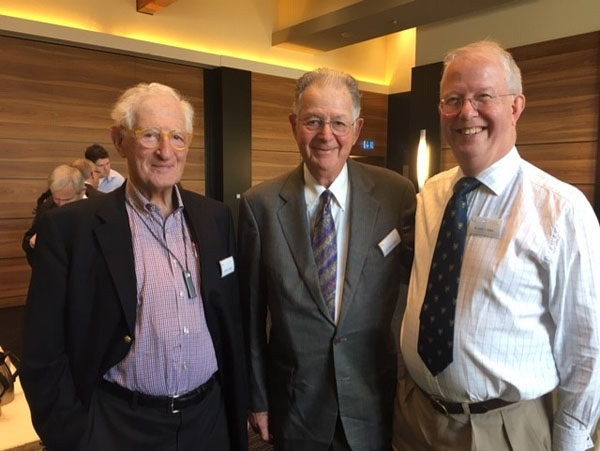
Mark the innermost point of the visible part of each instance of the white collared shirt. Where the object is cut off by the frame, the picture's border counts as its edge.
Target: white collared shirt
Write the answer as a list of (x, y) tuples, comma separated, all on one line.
[(528, 306), (340, 189)]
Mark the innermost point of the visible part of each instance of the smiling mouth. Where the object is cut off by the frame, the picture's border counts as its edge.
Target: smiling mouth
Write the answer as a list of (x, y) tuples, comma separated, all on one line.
[(470, 131)]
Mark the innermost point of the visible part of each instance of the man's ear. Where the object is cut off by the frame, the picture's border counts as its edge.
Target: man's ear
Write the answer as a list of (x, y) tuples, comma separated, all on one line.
[(518, 106), (116, 134), (292, 118), (357, 128)]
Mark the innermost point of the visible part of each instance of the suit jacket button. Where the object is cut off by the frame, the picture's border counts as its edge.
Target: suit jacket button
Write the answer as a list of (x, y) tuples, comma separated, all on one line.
[(127, 339), (337, 340)]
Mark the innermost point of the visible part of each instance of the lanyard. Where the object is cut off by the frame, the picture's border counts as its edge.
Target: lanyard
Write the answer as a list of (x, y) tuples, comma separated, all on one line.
[(187, 276)]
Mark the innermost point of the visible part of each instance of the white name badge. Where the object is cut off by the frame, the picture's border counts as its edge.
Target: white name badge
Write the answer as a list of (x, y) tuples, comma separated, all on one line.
[(227, 266), (388, 244), (489, 227)]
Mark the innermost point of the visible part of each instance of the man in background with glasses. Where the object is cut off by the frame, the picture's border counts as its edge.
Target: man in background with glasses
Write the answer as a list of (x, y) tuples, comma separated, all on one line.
[(323, 251), (133, 337), (504, 296)]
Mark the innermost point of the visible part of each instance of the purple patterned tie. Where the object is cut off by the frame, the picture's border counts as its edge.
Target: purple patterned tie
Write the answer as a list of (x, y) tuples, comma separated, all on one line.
[(324, 244), (436, 333)]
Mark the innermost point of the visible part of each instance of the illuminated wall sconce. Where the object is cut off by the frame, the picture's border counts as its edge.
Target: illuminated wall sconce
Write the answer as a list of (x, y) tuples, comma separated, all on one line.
[(422, 160)]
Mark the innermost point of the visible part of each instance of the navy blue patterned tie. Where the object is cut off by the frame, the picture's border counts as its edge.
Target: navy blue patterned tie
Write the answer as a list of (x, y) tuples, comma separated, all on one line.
[(436, 333), (324, 244)]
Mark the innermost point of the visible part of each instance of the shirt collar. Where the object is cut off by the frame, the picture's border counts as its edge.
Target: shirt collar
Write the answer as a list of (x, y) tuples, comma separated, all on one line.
[(339, 188), (500, 175), (139, 201)]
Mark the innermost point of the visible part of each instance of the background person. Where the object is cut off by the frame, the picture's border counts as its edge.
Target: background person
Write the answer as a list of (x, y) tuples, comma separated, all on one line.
[(66, 185), (91, 176), (109, 178)]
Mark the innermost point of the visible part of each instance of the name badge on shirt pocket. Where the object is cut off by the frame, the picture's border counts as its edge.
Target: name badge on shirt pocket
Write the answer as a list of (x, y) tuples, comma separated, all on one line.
[(388, 244), (227, 266), (488, 227)]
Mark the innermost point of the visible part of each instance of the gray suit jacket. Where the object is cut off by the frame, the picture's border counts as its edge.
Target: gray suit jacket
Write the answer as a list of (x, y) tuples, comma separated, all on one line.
[(308, 369)]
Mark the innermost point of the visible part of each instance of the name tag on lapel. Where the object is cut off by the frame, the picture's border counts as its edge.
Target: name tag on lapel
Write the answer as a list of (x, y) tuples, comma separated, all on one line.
[(388, 244), (488, 227), (227, 266)]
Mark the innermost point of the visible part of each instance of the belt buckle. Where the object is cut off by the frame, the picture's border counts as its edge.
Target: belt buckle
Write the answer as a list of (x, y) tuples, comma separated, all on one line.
[(440, 404), (172, 405)]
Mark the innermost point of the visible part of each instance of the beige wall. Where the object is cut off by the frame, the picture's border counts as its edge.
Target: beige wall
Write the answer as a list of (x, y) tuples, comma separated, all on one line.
[(519, 23)]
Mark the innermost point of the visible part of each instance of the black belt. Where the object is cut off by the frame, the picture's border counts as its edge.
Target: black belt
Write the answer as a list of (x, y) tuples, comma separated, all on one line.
[(454, 408), (170, 404)]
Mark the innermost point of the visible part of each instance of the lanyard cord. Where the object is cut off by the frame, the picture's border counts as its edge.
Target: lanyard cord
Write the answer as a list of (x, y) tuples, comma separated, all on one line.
[(187, 277)]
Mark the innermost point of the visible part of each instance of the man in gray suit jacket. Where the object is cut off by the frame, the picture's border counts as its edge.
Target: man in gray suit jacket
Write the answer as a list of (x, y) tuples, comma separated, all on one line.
[(323, 250)]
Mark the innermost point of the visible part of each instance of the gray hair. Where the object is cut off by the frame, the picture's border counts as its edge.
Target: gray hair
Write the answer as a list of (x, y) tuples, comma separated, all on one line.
[(325, 76), (512, 73), (63, 175), (123, 112)]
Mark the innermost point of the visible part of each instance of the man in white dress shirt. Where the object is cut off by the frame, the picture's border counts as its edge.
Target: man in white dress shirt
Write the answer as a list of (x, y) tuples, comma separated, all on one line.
[(527, 307)]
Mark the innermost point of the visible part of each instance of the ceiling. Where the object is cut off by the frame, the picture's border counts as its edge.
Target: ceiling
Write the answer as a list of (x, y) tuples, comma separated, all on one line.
[(368, 19)]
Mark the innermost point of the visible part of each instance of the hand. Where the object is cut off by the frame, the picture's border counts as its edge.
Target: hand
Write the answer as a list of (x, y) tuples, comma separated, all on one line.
[(32, 241), (260, 424)]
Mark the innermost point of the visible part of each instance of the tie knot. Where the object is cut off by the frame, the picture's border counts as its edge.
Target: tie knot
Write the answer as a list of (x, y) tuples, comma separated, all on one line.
[(326, 196), (466, 185)]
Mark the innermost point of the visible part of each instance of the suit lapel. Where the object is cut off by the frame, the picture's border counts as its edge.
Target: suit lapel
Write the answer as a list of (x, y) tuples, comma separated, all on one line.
[(294, 224), (363, 216), (114, 239)]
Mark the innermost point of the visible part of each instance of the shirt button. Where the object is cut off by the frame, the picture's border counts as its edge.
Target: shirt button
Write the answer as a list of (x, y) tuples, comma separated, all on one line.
[(186, 330), (181, 294), (185, 367)]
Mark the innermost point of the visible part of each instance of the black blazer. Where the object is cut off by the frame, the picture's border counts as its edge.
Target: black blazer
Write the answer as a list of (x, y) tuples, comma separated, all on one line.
[(81, 310), (41, 208)]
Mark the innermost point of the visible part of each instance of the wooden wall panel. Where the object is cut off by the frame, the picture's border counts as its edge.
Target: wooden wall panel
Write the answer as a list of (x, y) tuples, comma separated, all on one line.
[(272, 99), (274, 150), (375, 113), (14, 280), (55, 100), (558, 130), (11, 234)]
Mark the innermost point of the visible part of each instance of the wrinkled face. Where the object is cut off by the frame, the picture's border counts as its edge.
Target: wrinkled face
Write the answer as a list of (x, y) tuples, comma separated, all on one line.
[(65, 195), (103, 166), (480, 137), (153, 170), (323, 151)]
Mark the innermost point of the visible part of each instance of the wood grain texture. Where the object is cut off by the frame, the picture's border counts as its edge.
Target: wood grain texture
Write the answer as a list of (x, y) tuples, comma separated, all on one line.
[(55, 100), (374, 112), (14, 280)]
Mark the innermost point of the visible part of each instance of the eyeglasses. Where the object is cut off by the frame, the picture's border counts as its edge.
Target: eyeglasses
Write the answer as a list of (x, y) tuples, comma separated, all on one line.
[(150, 138), (453, 104), (338, 128)]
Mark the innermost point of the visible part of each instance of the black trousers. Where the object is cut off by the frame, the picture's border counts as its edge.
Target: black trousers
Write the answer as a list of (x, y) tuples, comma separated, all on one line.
[(116, 425)]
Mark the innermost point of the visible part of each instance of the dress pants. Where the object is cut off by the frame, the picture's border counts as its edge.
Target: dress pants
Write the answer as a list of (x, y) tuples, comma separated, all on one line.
[(418, 426), (114, 424), (339, 442)]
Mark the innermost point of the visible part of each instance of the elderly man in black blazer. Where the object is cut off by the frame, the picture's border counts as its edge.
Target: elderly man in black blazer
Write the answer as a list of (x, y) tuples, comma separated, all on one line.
[(132, 336)]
